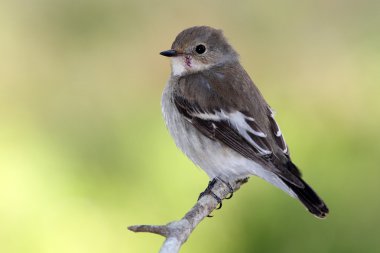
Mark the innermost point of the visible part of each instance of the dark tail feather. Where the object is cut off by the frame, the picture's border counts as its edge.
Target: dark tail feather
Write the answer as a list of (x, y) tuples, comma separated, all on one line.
[(309, 198)]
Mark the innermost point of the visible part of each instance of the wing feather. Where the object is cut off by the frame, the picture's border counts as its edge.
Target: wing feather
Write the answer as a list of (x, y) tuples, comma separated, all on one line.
[(278, 137), (237, 131), (230, 128)]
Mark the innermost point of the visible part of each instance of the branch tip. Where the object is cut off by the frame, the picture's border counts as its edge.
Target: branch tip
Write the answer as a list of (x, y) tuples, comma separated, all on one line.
[(160, 230), (177, 232)]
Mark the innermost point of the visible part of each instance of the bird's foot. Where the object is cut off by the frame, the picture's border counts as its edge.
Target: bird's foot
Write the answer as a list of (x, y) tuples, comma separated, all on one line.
[(209, 191), (230, 188)]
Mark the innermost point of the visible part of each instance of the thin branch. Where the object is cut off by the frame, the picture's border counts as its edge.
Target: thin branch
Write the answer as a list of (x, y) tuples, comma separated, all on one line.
[(177, 232)]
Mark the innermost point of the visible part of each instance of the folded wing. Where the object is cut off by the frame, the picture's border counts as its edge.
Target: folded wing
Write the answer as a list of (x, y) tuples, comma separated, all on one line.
[(238, 131)]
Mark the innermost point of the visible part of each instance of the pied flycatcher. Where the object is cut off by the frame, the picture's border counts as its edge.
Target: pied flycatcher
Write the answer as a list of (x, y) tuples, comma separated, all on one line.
[(220, 120)]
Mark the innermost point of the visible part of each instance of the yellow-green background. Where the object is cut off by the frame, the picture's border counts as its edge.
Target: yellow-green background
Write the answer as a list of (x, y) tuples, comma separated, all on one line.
[(84, 151)]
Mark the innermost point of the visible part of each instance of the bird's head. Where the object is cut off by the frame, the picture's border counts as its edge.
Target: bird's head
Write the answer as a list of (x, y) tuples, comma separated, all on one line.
[(199, 48)]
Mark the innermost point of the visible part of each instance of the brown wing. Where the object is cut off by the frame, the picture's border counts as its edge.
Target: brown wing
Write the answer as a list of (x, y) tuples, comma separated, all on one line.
[(242, 135)]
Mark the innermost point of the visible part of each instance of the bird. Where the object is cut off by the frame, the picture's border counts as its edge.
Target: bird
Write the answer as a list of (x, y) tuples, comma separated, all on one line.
[(218, 117)]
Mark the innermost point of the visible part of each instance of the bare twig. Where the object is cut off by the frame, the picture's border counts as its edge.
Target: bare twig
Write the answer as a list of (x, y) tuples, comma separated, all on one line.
[(177, 232)]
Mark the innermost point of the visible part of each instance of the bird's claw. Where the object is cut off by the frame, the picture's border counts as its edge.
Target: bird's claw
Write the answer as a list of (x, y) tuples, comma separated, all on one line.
[(230, 188), (209, 191)]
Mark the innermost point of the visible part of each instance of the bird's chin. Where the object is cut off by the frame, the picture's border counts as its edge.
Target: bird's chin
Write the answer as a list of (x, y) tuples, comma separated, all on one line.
[(179, 66), (182, 65)]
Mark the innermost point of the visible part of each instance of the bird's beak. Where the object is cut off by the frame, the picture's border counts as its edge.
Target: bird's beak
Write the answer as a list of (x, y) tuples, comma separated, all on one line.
[(169, 53)]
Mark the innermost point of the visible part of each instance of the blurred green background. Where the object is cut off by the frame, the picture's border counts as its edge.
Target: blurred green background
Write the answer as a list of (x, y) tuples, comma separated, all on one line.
[(84, 151)]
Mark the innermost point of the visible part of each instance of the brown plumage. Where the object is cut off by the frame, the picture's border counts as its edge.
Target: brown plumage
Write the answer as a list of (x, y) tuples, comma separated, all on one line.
[(212, 106)]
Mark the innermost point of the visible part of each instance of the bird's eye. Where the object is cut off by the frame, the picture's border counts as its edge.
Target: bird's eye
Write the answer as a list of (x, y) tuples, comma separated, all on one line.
[(200, 49)]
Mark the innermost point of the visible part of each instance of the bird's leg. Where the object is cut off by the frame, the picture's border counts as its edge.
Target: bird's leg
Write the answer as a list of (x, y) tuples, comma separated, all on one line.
[(208, 190), (211, 184)]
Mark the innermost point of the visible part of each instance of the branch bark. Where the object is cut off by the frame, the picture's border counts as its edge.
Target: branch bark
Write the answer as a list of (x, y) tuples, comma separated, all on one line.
[(177, 232)]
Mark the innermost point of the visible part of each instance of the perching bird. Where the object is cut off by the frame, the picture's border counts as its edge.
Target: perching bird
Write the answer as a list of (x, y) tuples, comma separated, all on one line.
[(220, 120)]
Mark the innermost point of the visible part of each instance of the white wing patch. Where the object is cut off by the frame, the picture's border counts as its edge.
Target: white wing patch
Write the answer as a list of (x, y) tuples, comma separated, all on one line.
[(278, 133), (239, 122)]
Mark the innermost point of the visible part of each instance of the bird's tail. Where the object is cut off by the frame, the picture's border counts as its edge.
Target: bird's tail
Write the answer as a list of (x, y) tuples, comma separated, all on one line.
[(307, 196)]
